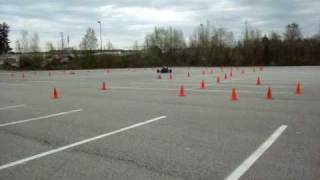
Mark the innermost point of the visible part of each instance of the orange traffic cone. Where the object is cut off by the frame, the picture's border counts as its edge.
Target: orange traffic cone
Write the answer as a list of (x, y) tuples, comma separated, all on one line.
[(55, 94), (269, 94), (182, 92), (218, 79), (202, 85), (258, 81), (104, 86), (298, 88), (234, 95), (170, 76)]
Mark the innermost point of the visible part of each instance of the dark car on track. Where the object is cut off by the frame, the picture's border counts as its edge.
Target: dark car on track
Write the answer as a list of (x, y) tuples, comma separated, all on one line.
[(164, 69)]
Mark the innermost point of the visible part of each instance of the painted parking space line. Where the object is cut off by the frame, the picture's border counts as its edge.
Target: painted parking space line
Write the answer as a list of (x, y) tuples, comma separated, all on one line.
[(39, 118), (195, 89), (11, 84), (239, 91), (143, 88), (12, 107), (42, 81), (37, 156), (223, 84), (249, 161)]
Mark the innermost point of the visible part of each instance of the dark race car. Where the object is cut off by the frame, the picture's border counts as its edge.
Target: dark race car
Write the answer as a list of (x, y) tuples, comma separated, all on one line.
[(164, 69)]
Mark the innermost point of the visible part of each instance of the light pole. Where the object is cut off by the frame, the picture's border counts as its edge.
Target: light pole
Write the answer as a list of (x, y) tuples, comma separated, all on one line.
[(100, 36)]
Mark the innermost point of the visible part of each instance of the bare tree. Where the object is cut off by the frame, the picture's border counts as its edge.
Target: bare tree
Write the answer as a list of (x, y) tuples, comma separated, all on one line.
[(292, 32), (135, 46), (49, 46), (317, 35), (24, 41), (62, 40), (68, 41), (89, 41), (275, 36), (206, 36), (109, 45), (165, 39), (246, 32), (18, 46), (250, 34), (229, 39), (34, 44)]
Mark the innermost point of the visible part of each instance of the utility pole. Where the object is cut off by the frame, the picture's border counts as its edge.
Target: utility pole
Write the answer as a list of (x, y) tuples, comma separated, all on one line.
[(100, 36)]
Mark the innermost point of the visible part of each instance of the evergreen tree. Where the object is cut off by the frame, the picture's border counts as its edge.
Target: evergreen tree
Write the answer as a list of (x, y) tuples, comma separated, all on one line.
[(4, 38)]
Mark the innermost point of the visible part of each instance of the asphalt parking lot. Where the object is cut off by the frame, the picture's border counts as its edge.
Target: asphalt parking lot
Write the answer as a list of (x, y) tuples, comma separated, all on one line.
[(140, 128)]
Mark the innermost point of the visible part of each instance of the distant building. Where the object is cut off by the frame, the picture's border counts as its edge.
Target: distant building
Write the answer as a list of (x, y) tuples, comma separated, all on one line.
[(12, 60)]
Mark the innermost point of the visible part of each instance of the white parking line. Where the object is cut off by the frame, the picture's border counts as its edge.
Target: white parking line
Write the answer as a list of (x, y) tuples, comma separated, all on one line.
[(223, 84), (41, 117), (11, 107), (239, 91), (247, 163), (37, 156), (53, 81), (193, 90), (142, 88), (11, 84)]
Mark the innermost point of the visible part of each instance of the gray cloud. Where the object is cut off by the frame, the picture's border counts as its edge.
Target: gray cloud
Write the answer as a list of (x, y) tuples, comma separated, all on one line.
[(125, 20)]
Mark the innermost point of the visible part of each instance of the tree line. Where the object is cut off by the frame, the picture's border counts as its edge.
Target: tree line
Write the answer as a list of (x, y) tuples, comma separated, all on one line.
[(211, 46), (207, 46)]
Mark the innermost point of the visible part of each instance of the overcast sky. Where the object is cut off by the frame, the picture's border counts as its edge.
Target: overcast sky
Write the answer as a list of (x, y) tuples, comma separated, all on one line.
[(124, 21)]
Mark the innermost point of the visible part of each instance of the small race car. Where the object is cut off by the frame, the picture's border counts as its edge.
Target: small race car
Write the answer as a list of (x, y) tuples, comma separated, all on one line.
[(164, 69)]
